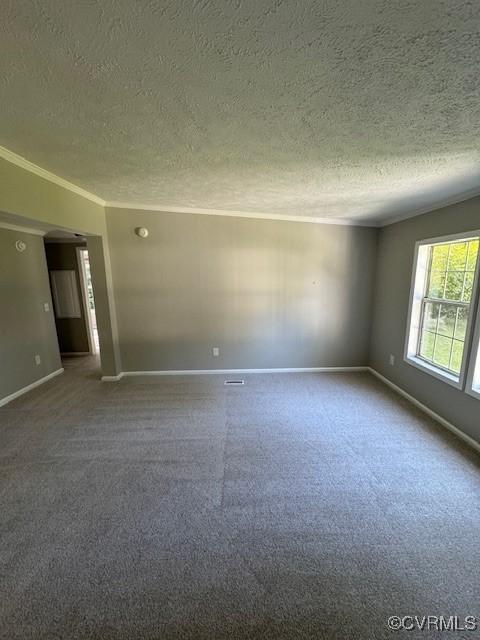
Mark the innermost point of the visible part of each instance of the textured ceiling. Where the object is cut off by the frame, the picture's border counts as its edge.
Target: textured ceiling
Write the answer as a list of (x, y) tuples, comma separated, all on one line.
[(345, 109)]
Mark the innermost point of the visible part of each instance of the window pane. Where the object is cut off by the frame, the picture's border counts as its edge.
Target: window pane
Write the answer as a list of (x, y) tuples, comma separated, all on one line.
[(462, 319), (431, 316), (472, 255), (440, 257), (468, 288), (457, 355), (437, 284), (454, 286), (443, 347), (446, 322), (427, 344), (458, 256)]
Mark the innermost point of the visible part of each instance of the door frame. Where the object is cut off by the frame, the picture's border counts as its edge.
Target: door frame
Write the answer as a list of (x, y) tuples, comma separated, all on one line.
[(84, 288)]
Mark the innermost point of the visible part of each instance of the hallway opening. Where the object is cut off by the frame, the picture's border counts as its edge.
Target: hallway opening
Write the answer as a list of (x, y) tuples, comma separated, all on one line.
[(73, 297)]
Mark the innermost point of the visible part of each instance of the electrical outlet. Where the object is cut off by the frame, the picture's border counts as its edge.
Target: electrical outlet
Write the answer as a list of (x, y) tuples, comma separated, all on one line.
[(46, 306), (216, 351), (37, 359), (392, 360)]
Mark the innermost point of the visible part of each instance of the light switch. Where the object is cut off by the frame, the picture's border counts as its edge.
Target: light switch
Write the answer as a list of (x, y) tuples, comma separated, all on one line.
[(46, 306)]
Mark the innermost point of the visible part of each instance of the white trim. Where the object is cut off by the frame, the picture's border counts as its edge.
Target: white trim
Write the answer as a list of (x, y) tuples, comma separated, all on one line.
[(434, 371), (473, 375), (23, 163), (448, 425), (201, 372), (83, 286), (136, 206), (37, 383), (473, 371), (112, 378), (413, 213), (17, 227), (417, 294), (473, 392), (370, 222), (452, 237)]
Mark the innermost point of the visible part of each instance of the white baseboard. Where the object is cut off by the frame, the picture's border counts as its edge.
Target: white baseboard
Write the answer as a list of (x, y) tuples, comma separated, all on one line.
[(202, 372), (448, 425), (37, 383), (113, 378)]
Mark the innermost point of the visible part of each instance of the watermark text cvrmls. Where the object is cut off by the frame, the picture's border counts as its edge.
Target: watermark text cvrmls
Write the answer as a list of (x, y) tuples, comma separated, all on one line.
[(433, 623)]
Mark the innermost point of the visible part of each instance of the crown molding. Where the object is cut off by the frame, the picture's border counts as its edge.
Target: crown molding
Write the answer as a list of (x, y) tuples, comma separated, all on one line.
[(413, 213), (137, 206), (14, 158), (23, 163)]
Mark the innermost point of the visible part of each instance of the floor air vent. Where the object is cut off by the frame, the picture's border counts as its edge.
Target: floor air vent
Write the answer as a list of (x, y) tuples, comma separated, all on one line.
[(234, 382)]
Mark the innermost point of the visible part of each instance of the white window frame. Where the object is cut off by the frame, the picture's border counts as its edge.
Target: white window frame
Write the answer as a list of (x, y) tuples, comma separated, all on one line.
[(473, 375), (414, 318)]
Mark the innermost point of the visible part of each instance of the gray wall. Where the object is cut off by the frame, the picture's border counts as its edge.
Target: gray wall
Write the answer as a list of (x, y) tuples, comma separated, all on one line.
[(392, 291), (72, 332), (99, 256), (25, 328), (267, 293)]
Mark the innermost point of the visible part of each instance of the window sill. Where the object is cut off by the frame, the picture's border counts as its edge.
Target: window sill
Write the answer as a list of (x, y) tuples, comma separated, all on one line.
[(474, 392), (449, 378)]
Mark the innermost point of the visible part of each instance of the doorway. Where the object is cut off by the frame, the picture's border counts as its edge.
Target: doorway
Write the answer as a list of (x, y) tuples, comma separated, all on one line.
[(68, 263)]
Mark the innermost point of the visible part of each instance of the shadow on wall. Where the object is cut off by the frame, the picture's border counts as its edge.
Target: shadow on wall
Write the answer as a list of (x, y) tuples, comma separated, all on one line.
[(28, 343), (268, 294)]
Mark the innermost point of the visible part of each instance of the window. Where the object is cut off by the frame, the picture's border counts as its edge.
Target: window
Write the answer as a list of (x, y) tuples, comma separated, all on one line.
[(446, 304), (440, 311)]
